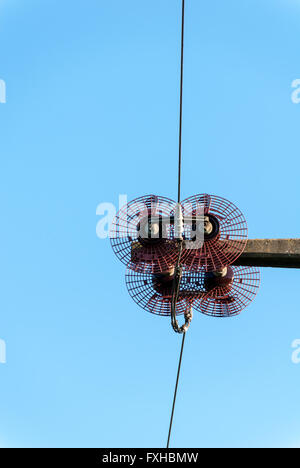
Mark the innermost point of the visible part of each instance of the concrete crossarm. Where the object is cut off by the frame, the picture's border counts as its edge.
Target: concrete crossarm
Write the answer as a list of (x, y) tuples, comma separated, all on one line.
[(276, 253)]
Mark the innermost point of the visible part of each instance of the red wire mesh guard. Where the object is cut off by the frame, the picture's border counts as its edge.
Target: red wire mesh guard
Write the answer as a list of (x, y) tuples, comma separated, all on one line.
[(156, 256), (228, 302), (230, 238), (153, 296), (203, 258)]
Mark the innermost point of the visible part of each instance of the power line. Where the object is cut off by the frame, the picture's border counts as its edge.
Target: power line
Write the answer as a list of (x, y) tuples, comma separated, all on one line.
[(177, 274), (176, 386), (181, 95)]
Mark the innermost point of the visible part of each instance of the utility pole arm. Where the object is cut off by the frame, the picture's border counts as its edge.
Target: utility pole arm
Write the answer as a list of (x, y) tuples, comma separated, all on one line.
[(276, 253)]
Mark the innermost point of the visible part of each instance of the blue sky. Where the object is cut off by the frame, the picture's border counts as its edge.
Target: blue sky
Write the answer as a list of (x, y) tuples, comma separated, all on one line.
[(91, 113)]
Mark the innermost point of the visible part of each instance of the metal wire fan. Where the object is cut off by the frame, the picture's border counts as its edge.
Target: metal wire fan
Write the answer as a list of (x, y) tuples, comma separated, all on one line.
[(142, 234), (227, 295), (153, 292), (224, 232)]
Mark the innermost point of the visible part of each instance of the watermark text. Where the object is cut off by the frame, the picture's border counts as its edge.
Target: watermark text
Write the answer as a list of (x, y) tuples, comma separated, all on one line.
[(296, 352), (2, 92), (2, 352), (296, 93)]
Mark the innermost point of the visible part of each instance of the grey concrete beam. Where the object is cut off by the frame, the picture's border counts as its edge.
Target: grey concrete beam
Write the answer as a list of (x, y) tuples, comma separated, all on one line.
[(275, 253)]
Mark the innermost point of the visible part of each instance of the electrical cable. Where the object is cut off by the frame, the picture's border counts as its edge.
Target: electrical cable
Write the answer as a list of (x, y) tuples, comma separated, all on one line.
[(178, 270)]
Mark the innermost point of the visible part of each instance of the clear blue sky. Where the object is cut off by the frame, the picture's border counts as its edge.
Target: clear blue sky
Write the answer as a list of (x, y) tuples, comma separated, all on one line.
[(91, 113)]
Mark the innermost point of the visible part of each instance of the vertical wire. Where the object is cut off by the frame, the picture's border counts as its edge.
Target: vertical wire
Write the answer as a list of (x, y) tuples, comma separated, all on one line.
[(173, 308), (181, 99), (175, 392)]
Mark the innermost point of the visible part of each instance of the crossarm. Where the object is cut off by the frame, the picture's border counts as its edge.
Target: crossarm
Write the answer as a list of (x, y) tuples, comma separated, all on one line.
[(276, 253)]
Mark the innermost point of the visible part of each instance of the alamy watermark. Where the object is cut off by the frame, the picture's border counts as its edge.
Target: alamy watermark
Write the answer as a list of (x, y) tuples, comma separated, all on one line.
[(2, 352), (153, 218), (108, 211), (296, 352), (295, 96), (2, 92)]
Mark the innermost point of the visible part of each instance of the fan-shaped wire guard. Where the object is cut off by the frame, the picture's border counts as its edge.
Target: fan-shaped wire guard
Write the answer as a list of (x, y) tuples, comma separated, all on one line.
[(228, 243), (152, 257), (222, 302), (141, 287)]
